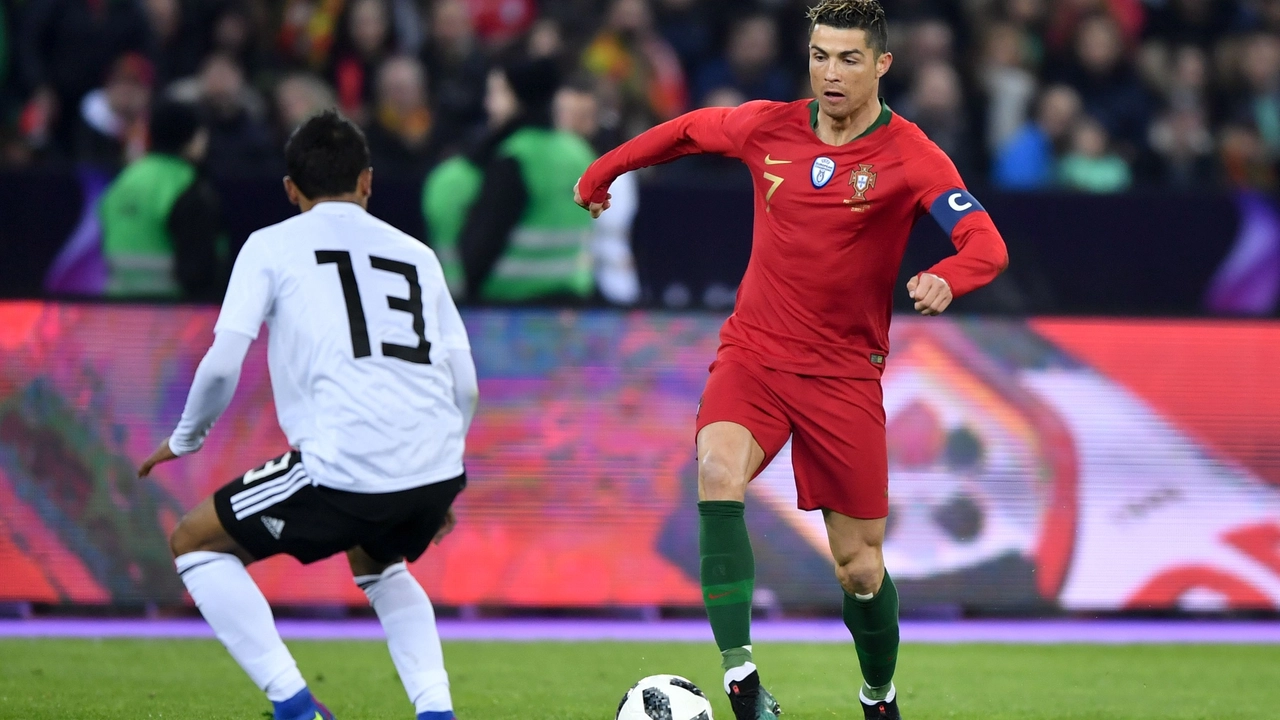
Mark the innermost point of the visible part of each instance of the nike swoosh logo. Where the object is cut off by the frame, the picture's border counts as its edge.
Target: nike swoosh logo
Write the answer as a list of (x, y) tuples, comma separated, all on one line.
[(770, 161), (721, 595)]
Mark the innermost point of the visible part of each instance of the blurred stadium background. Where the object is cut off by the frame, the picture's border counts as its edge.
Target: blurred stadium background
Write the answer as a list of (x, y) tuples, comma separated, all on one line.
[(1097, 432)]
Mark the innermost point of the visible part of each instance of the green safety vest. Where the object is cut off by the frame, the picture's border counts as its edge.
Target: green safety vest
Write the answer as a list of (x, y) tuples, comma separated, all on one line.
[(134, 212), (447, 198), (548, 252)]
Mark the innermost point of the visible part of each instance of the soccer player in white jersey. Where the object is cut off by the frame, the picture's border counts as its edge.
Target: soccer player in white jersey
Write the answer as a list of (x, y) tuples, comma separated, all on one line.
[(374, 387)]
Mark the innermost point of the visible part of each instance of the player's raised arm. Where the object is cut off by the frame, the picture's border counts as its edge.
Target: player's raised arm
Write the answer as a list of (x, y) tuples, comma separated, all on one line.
[(980, 251), (701, 131)]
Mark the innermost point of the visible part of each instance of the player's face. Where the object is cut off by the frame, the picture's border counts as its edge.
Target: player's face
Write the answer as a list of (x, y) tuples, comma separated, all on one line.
[(843, 70)]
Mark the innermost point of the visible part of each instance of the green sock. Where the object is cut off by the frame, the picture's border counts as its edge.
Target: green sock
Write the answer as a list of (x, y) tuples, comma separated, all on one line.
[(728, 577), (874, 626)]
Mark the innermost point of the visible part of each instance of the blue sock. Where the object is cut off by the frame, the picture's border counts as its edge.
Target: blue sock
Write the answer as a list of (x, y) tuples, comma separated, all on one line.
[(436, 715), (298, 707)]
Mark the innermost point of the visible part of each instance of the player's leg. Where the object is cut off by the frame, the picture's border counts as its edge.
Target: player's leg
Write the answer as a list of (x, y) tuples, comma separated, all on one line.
[(409, 621), (841, 463), (740, 429), (402, 527), (211, 564), (728, 458), (870, 605)]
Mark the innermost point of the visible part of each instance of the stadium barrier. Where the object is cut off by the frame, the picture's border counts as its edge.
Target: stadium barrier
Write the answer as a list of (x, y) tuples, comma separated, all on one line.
[(1171, 254), (1042, 464)]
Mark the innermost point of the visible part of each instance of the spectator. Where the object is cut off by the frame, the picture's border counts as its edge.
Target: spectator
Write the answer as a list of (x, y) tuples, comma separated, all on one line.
[(161, 220), (935, 104), (498, 22), (749, 64), (1259, 102), (1107, 82), (452, 186), (307, 31), (400, 142), (237, 32), (577, 111), (924, 41), (1009, 85), (1190, 22), (686, 26), (1183, 147), (1188, 81), (544, 40), (1030, 17), (239, 141), (64, 47), (1028, 161), (1244, 158), (113, 118), (527, 241), (298, 97), (1091, 165), (1069, 16), (457, 68), (179, 46), (641, 73), (364, 41)]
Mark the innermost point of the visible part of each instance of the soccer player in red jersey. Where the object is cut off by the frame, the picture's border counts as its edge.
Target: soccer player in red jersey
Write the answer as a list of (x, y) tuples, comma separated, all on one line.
[(840, 181)]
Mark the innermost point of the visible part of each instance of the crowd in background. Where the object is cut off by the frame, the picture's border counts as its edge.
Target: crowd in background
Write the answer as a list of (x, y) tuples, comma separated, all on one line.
[(1097, 95)]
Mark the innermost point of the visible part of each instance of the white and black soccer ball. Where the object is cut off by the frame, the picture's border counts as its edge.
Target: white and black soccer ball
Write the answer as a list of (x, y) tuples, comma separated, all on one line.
[(664, 697)]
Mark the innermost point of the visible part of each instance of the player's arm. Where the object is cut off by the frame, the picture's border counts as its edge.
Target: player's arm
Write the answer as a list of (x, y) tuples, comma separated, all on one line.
[(708, 130), (457, 347), (211, 391), (466, 388), (980, 251), (249, 297)]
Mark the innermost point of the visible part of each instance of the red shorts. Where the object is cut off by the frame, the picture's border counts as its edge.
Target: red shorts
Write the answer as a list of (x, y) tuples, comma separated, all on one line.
[(836, 426)]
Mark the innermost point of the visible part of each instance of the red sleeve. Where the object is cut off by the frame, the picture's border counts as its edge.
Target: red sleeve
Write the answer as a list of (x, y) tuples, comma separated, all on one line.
[(980, 251), (709, 130)]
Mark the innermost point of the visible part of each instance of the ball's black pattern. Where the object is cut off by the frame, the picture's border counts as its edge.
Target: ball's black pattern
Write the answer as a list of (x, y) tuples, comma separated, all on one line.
[(656, 704), (682, 683)]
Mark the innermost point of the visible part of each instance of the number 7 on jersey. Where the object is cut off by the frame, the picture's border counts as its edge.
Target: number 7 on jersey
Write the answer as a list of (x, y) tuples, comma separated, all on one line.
[(360, 345)]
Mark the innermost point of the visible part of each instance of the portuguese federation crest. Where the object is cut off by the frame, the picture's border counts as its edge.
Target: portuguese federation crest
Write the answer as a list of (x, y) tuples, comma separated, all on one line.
[(862, 180)]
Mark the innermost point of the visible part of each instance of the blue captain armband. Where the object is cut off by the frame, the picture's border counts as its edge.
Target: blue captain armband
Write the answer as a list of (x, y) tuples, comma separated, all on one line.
[(953, 206)]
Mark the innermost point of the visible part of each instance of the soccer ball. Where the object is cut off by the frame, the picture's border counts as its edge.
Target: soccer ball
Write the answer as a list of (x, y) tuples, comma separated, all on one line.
[(664, 697)]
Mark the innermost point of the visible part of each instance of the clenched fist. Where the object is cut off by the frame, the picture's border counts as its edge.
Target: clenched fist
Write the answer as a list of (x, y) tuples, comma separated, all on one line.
[(931, 293)]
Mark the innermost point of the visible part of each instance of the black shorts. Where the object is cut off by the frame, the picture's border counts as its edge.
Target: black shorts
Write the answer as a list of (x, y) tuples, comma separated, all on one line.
[(276, 509)]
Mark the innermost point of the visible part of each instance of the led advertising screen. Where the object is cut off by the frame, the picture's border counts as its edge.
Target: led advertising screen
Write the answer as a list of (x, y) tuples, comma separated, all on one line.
[(1034, 464)]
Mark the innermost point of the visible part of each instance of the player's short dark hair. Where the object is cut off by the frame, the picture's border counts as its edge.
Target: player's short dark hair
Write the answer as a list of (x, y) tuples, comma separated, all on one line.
[(853, 15), (325, 155)]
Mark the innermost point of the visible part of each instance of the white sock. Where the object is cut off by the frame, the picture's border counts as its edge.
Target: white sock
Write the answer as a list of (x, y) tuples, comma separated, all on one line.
[(234, 607), (737, 674), (862, 695), (410, 623)]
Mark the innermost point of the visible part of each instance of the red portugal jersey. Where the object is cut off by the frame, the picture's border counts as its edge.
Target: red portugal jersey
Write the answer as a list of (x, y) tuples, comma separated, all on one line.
[(831, 227)]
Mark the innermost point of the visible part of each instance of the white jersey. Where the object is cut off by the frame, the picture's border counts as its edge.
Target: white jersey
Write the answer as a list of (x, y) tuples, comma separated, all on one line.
[(359, 322)]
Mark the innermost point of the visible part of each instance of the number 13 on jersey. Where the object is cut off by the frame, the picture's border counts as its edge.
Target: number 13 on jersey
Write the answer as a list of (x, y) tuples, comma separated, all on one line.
[(360, 344)]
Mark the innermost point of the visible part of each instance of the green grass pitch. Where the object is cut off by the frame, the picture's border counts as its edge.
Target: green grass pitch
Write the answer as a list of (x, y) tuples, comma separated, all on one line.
[(195, 679)]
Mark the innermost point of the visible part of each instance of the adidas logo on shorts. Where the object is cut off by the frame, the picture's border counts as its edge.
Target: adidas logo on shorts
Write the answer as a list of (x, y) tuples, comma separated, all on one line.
[(275, 526)]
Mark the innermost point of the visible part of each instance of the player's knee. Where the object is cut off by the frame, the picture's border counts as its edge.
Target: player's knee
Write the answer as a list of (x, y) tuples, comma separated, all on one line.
[(862, 572), (183, 539), (717, 481), (200, 530)]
